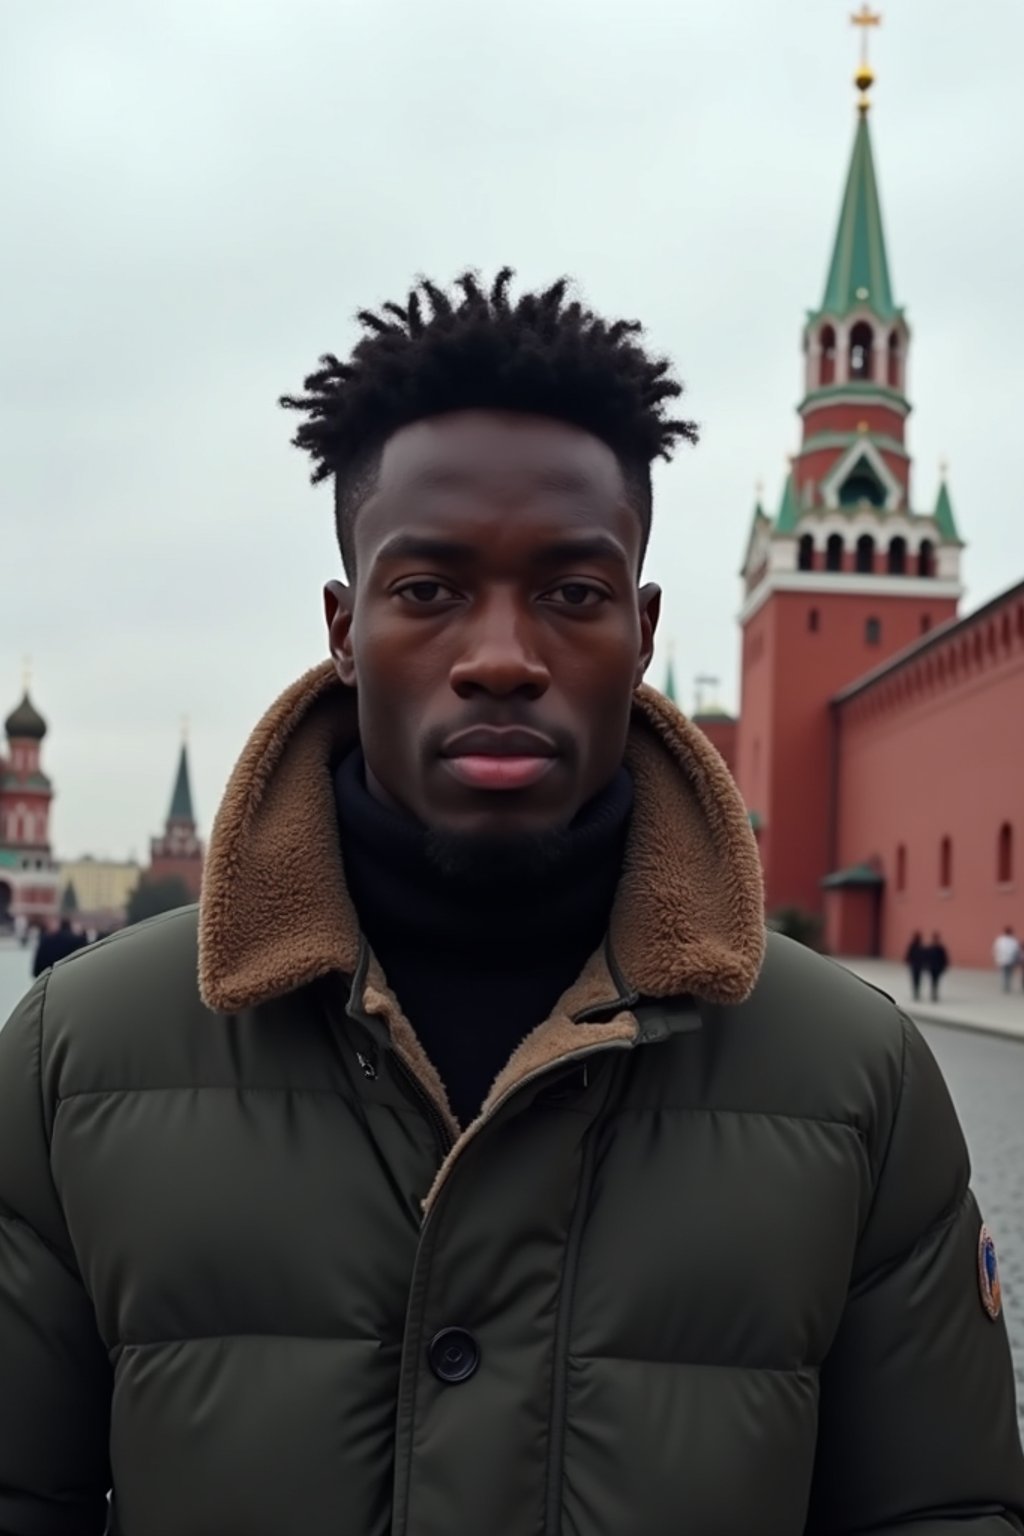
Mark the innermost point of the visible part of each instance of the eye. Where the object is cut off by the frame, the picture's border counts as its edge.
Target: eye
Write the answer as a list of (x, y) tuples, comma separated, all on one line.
[(423, 593), (578, 594)]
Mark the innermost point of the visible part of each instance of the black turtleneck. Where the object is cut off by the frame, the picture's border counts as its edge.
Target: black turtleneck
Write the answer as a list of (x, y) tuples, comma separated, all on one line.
[(476, 964)]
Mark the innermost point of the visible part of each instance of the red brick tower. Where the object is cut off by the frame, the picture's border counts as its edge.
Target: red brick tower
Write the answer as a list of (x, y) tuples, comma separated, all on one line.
[(29, 882), (179, 853), (845, 574)]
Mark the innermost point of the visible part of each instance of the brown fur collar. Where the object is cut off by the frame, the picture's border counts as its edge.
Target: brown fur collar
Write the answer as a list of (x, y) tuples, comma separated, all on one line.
[(275, 913)]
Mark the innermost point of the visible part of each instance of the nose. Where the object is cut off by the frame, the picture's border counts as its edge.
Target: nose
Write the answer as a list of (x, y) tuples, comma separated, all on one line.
[(497, 656)]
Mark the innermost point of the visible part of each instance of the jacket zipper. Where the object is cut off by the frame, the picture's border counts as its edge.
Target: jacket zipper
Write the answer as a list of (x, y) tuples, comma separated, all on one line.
[(433, 1116)]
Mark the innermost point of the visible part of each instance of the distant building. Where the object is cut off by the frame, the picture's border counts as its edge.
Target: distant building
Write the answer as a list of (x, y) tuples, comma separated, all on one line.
[(101, 890), (178, 854), (30, 885)]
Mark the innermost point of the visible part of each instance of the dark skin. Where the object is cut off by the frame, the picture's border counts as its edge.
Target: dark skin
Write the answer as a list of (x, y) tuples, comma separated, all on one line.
[(497, 594)]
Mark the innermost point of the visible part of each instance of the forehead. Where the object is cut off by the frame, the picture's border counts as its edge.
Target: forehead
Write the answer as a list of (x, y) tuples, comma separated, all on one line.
[(473, 468)]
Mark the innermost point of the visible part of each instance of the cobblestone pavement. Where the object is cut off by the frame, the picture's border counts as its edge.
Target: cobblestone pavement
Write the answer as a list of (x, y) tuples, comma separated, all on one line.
[(986, 1078)]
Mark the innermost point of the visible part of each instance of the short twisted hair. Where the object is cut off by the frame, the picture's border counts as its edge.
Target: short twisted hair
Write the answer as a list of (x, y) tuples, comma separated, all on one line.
[(544, 354)]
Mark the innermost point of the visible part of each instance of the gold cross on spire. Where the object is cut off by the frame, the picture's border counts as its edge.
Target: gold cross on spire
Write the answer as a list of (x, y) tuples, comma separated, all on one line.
[(864, 79)]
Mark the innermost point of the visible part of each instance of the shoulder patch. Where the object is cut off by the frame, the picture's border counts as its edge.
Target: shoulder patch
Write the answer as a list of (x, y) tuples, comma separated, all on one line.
[(988, 1275)]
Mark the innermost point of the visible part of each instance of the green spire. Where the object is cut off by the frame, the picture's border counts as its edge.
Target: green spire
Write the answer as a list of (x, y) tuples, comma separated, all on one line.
[(181, 800), (789, 508), (945, 522), (859, 273), (669, 689)]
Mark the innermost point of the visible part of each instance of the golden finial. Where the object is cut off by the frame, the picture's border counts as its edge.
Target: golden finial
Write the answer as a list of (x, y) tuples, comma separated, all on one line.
[(864, 77), (26, 673), (184, 730), (944, 468)]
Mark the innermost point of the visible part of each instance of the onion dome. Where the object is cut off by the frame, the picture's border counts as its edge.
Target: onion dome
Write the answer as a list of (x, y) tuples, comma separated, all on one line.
[(25, 723)]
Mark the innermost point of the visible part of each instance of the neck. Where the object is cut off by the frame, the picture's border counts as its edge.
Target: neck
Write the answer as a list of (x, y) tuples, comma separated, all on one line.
[(414, 886)]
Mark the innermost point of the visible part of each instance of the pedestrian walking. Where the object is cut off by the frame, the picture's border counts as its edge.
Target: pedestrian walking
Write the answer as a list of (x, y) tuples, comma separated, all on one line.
[(916, 960), (63, 941), (1006, 956), (471, 1161), (937, 964)]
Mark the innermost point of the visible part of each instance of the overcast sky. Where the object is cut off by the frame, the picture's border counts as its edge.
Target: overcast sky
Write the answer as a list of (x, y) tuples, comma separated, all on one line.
[(198, 194)]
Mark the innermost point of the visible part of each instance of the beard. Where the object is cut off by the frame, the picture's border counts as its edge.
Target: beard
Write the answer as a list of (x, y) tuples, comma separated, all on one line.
[(515, 858)]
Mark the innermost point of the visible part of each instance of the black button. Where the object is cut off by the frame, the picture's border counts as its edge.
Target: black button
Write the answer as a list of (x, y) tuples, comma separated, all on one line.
[(454, 1355)]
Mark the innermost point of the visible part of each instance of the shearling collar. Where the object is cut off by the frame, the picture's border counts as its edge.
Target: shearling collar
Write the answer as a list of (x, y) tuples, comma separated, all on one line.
[(275, 913)]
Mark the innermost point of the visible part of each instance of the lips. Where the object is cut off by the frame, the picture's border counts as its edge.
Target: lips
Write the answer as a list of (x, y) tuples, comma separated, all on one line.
[(499, 758)]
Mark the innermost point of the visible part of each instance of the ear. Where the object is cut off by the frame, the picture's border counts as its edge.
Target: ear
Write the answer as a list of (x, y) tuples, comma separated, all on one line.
[(338, 606), (649, 603)]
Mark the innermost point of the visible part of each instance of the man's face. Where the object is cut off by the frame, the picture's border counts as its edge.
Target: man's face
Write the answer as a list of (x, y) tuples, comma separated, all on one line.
[(495, 632)]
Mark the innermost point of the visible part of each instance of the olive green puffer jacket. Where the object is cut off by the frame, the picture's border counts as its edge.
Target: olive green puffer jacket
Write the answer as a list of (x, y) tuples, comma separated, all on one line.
[(707, 1263)]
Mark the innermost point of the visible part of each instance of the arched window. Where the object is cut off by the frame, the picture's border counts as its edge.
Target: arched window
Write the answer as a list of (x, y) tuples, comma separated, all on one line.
[(926, 623), (946, 864), (926, 558), (1004, 854), (866, 554), (897, 556), (862, 345), (834, 552), (873, 632), (894, 379), (805, 556), (901, 867), (1006, 633), (813, 621), (828, 355)]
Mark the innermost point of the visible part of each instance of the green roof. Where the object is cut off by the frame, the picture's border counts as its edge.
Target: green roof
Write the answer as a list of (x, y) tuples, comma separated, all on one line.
[(789, 509), (859, 874), (945, 522), (181, 800), (859, 272)]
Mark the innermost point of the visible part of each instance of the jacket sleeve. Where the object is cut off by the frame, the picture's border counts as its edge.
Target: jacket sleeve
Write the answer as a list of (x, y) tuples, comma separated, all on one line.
[(55, 1381), (917, 1427)]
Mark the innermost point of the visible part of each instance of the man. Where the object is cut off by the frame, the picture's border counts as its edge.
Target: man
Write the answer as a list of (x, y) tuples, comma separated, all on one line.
[(494, 1176), (63, 941), (1006, 956)]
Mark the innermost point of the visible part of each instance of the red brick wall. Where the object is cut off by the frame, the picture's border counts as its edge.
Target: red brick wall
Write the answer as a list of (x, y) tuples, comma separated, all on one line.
[(935, 752), (785, 707)]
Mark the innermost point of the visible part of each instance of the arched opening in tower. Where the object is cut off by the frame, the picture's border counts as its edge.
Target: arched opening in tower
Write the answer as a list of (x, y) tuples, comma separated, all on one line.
[(827, 366), (834, 552), (866, 554), (805, 554), (897, 556), (926, 558), (894, 379), (862, 346)]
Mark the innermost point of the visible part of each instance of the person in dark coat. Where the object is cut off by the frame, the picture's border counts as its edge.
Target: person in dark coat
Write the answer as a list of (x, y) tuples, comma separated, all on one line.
[(915, 959), (56, 946), (937, 963)]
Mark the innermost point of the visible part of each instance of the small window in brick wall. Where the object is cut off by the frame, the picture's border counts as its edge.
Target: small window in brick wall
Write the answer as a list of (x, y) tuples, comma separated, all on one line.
[(873, 631), (813, 621)]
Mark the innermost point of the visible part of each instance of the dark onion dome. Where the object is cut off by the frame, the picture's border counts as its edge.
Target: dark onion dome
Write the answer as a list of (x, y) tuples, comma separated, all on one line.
[(25, 723)]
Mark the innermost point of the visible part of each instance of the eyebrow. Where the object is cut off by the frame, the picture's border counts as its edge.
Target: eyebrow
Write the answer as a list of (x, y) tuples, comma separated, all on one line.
[(417, 546)]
